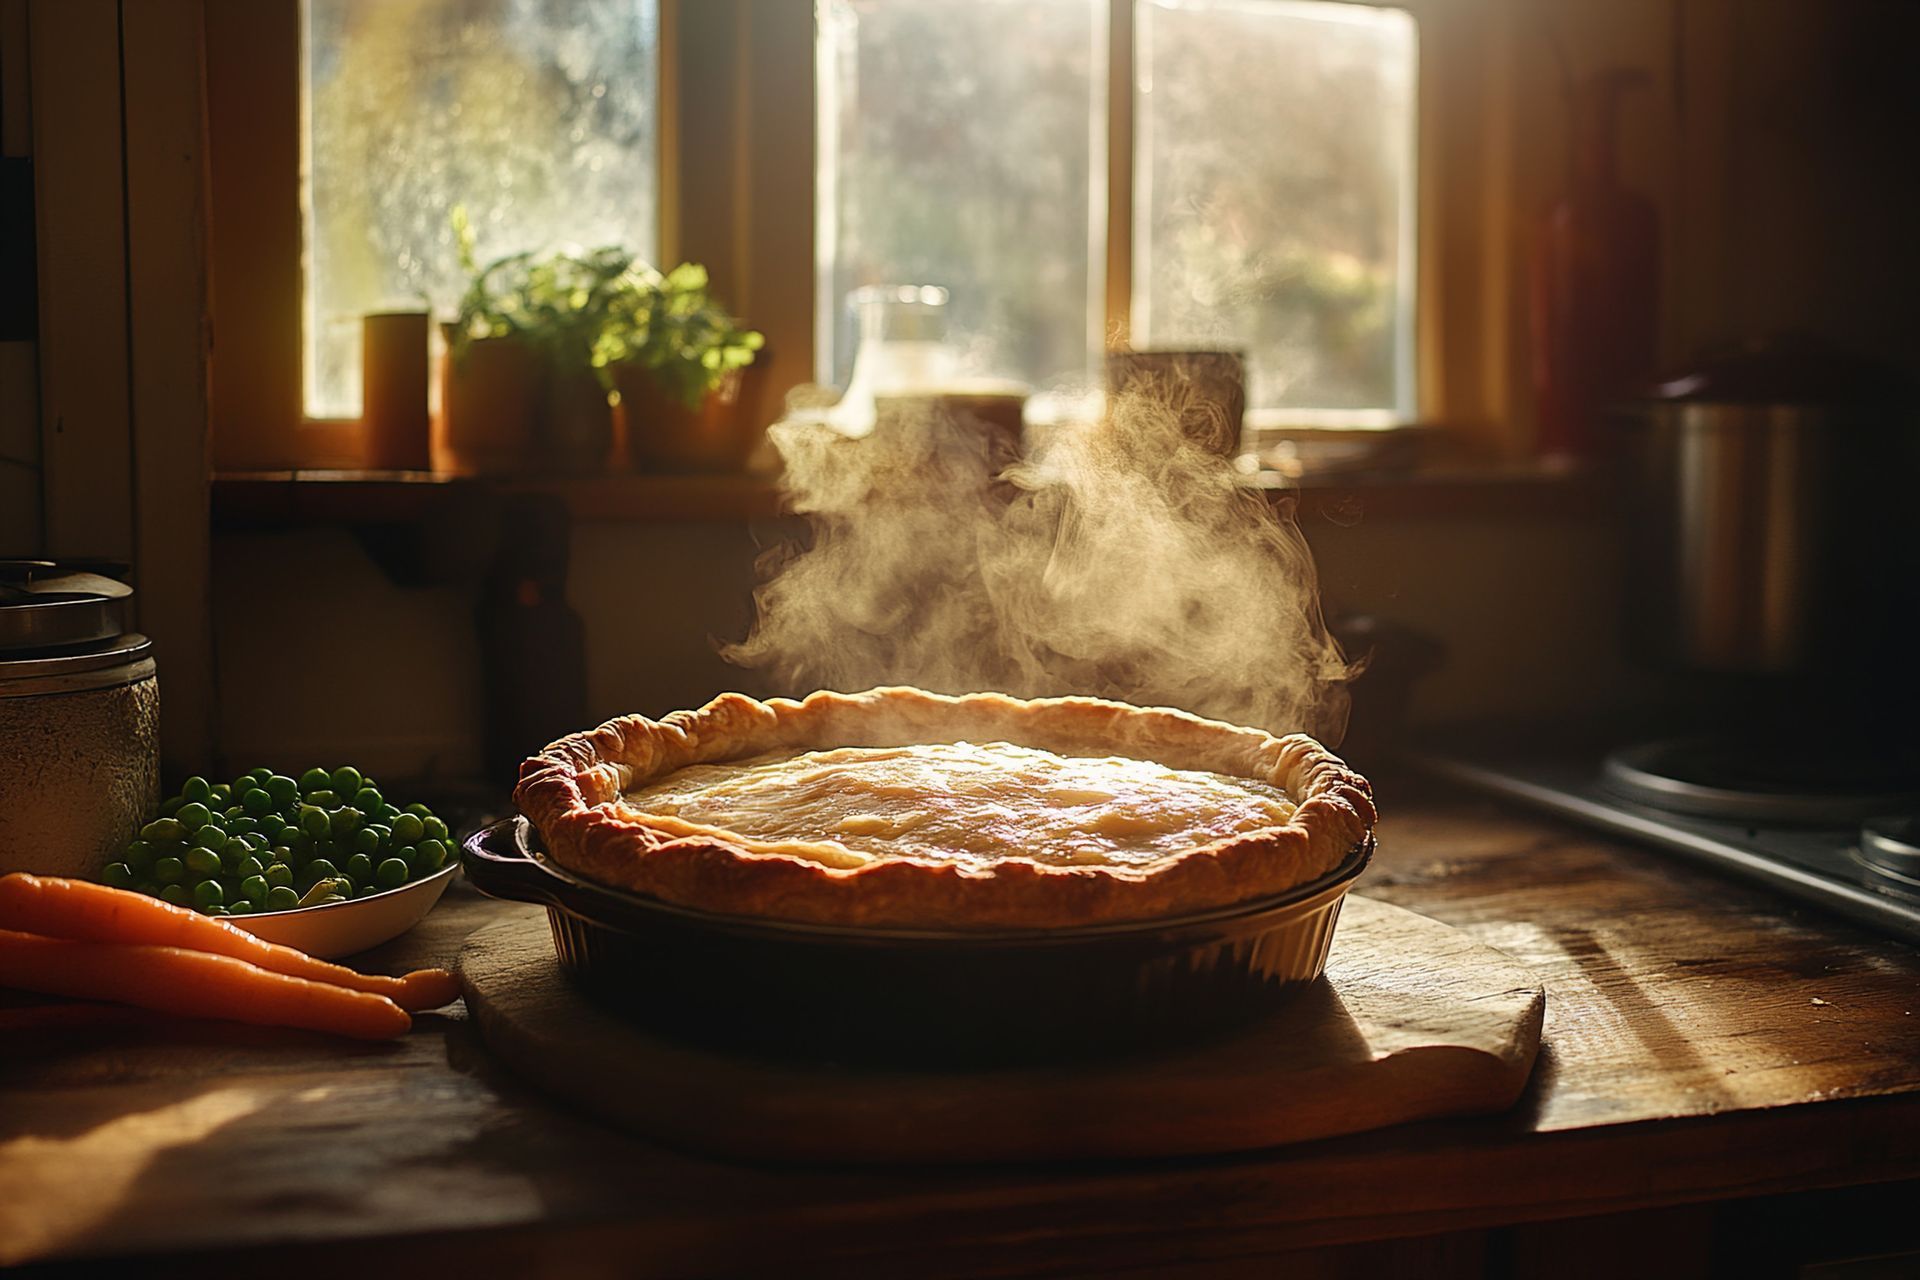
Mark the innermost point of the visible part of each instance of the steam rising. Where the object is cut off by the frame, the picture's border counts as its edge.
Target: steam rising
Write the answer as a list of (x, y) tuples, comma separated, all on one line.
[(1119, 559)]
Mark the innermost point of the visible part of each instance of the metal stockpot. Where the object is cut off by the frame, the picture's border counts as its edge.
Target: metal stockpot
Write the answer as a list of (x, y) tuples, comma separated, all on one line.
[(1754, 491), (79, 719)]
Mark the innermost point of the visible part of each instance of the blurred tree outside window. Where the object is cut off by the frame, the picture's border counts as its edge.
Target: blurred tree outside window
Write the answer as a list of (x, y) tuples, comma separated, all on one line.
[(1274, 190), (538, 116), (963, 145)]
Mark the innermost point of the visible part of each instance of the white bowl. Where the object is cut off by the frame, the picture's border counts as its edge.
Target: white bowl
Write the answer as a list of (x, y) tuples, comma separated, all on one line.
[(338, 929)]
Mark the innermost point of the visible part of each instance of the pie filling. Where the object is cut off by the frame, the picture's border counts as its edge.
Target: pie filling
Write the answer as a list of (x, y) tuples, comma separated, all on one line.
[(966, 803)]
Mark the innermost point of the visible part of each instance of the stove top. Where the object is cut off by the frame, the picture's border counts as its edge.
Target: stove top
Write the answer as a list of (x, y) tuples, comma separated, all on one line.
[(1839, 835)]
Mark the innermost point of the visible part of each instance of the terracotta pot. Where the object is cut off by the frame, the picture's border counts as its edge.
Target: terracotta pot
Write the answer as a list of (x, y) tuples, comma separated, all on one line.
[(664, 434), (490, 397), (577, 428)]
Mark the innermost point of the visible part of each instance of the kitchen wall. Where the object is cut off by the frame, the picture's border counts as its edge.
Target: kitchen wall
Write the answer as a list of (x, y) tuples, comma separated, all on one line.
[(1527, 611)]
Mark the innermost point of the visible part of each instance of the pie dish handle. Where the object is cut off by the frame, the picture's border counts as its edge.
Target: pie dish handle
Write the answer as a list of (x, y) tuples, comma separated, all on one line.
[(499, 864)]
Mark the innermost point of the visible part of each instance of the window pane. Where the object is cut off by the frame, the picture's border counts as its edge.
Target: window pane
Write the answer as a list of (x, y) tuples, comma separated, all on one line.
[(538, 116), (959, 146), (1274, 196)]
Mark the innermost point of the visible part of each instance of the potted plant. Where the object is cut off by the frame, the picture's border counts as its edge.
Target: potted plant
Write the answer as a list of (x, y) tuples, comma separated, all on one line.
[(521, 386), (677, 361)]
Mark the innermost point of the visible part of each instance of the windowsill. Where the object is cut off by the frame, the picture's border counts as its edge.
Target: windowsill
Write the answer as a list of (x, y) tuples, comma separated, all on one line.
[(310, 498)]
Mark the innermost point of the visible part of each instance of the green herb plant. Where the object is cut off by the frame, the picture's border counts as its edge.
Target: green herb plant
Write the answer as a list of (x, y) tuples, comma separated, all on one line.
[(671, 326), (602, 308)]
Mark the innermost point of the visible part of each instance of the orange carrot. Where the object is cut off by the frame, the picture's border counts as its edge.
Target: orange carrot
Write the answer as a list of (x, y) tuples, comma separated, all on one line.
[(196, 984), (86, 912)]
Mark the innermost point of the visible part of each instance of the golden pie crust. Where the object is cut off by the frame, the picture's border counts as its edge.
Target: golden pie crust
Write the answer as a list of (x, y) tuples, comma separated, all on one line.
[(579, 793)]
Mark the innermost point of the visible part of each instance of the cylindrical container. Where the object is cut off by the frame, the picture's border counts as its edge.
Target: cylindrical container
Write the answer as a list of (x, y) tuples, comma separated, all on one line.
[(393, 379), (79, 757), (1206, 391), (1762, 499)]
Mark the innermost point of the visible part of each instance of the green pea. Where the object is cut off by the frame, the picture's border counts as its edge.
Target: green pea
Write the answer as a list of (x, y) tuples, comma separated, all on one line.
[(282, 898), (432, 856), (256, 840), (280, 856), (386, 813), (234, 847), (346, 779), (391, 874), (249, 866), (360, 868), (418, 810), (254, 889), (435, 827), (118, 874), (324, 797), (282, 789), (139, 857), (278, 873), (407, 853), (315, 780), (241, 908), (273, 824), (314, 821), (177, 894), (196, 789), (234, 813), (367, 800), (171, 805), (297, 840), (366, 840), (208, 893), (319, 869), (408, 829), (366, 890), (329, 849), (344, 821), (222, 795), (193, 816), (242, 825), (169, 870), (256, 801), (164, 829), (203, 861)]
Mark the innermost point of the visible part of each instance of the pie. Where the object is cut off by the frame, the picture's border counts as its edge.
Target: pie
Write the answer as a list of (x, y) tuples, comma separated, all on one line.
[(902, 808)]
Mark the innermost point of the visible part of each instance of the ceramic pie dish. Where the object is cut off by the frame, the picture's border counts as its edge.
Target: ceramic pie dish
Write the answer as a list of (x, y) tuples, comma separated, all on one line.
[(903, 874)]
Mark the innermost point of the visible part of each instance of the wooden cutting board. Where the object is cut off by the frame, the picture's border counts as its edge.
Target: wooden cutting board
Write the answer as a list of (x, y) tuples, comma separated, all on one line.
[(1415, 1019)]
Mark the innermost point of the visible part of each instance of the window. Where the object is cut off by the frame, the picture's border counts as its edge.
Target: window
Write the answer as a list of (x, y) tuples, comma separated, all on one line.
[(964, 145), (538, 117), (1076, 173)]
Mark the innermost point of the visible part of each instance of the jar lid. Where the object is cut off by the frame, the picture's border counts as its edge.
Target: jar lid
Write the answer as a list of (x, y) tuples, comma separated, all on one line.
[(130, 655), (48, 608)]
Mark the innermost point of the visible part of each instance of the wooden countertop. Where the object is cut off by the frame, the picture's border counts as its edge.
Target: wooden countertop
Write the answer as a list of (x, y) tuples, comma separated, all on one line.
[(1703, 1042)]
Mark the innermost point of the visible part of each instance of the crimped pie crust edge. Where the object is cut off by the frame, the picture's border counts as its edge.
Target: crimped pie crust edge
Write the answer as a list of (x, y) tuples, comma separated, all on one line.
[(572, 790)]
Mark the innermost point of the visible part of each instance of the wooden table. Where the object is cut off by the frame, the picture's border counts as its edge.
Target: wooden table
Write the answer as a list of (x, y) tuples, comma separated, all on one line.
[(1704, 1043)]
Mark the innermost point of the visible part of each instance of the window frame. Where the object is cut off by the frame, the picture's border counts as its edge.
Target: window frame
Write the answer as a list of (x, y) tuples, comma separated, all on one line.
[(731, 73)]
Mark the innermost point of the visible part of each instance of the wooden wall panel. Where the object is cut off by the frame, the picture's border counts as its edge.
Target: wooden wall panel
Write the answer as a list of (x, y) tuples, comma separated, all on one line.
[(167, 300), (19, 379), (80, 198)]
